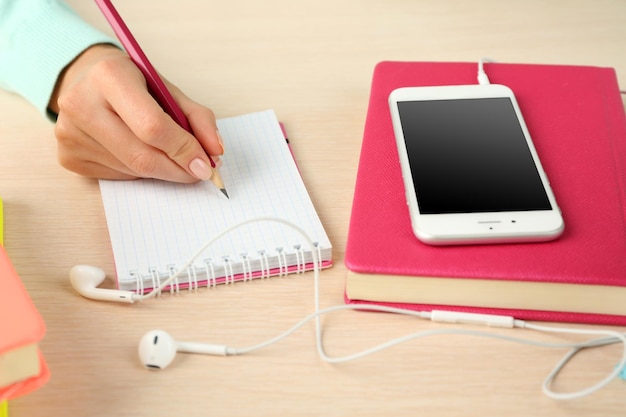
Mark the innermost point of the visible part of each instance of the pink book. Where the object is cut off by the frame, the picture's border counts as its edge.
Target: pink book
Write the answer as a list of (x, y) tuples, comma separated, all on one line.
[(575, 116), (22, 366)]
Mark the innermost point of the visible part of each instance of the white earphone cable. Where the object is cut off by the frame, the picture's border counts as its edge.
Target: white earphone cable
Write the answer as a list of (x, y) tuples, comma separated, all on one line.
[(482, 77), (611, 336)]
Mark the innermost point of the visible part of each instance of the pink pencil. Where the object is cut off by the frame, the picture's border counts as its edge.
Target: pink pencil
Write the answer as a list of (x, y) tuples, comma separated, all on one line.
[(155, 85)]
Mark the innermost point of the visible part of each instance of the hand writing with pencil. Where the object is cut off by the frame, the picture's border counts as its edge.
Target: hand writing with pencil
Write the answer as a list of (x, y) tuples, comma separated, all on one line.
[(109, 126)]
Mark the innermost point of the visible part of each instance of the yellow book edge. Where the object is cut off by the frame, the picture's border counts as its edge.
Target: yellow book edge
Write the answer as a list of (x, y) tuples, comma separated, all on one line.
[(4, 407), (487, 293)]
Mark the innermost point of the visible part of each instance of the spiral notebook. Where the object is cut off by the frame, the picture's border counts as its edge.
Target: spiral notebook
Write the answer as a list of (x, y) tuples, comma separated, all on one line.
[(155, 226)]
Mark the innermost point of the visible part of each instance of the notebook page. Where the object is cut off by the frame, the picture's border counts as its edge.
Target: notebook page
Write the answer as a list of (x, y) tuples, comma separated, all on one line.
[(156, 225)]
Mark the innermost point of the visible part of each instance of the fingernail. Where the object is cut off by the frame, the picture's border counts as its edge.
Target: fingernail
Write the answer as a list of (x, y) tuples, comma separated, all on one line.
[(200, 169), (220, 140)]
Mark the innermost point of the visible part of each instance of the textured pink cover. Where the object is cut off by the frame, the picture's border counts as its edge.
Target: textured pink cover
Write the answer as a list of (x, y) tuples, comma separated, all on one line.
[(575, 116)]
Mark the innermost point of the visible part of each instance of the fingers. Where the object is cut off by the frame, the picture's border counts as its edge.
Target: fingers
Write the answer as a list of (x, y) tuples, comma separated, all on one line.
[(202, 121), (109, 126), (79, 153), (154, 128), (118, 149)]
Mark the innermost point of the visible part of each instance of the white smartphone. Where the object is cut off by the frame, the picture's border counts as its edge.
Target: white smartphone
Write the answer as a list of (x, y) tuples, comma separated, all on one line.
[(471, 172)]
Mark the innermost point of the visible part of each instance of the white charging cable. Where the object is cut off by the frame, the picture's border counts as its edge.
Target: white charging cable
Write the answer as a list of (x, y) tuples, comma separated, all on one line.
[(482, 77)]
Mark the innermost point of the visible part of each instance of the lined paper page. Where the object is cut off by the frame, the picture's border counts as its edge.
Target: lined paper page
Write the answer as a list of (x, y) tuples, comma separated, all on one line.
[(157, 225)]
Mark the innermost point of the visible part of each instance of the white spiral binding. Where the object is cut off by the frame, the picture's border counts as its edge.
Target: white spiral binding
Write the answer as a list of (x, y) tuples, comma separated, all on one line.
[(265, 265), (319, 254), (282, 263), (209, 269), (247, 269), (138, 282), (192, 279), (175, 287), (154, 277), (206, 274), (300, 261), (229, 275)]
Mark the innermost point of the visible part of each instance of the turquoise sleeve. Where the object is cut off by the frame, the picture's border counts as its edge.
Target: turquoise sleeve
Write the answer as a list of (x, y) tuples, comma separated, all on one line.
[(38, 39)]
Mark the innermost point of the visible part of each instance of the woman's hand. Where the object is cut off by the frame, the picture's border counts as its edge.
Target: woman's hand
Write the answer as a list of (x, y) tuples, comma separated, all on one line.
[(109, 126)]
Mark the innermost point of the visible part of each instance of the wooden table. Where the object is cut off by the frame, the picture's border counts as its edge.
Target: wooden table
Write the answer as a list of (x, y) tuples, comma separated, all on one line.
[(311, 61)]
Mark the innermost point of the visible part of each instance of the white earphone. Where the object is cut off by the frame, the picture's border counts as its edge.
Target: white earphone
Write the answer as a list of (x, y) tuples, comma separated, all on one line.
[(157, 349), (85, 280)]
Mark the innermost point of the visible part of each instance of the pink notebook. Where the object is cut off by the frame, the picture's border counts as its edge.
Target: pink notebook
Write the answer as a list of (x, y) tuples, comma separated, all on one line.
[(575, 116), (22, 366)]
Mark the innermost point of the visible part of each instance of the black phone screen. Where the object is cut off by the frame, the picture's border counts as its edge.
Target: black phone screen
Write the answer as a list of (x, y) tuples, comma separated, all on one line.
[(470, 155)]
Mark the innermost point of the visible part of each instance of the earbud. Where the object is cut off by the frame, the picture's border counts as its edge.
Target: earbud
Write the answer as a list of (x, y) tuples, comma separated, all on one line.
[(85, 279), (157, 349)]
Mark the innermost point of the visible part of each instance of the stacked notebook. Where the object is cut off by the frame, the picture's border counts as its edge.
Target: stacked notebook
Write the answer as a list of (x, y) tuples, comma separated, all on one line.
[(575, 115), (22, 366)]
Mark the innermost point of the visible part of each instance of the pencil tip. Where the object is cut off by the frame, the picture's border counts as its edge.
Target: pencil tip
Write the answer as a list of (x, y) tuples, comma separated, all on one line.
[(225, 193)]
